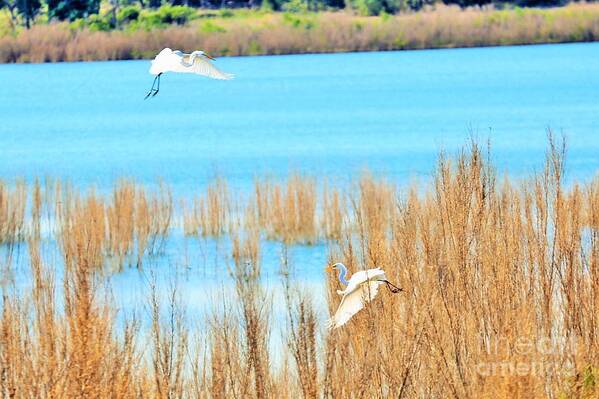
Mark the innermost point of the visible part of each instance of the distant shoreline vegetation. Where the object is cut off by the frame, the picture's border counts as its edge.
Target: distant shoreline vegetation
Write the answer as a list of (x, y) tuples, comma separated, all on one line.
[(123, 32)]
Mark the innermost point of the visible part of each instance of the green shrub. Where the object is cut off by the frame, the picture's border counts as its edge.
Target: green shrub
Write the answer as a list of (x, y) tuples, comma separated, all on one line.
[(78, 24), (176, 14), (295, 6), (298, 21), (163, 16), (369, 7), (6, 26), (382, 7), (128, 14), (211, 27), (267, 6), (254, 48), (96, 22)]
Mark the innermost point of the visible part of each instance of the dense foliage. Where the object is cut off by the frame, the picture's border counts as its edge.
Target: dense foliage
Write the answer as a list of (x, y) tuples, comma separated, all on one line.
[(147, 14), (72, 9)]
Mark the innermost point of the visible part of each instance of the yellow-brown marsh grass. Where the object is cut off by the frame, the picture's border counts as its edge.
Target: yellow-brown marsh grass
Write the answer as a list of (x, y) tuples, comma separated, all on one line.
[(153, 217), (122, 229), (332, 212), (277, 33), (13, 201), (288, 212), (500, 281), (209, 214)]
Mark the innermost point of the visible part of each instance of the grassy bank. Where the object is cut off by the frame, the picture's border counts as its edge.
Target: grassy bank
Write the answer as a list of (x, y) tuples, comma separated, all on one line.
[(501, 290), (253, 33)]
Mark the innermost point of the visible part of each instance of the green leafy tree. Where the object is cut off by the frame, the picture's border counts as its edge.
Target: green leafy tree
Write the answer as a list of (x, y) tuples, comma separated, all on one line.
[(13, 10), (72, 9), (128, 14), (541, 3), (28, 10), (371, 7), (467, 3), (376, 7), (395, 6), (335, 3)]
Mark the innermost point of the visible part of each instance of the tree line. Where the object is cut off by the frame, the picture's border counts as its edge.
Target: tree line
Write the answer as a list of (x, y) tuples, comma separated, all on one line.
[(25, 11)]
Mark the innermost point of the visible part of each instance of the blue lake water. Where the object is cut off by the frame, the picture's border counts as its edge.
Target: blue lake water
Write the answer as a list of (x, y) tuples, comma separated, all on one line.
[(327, 115)]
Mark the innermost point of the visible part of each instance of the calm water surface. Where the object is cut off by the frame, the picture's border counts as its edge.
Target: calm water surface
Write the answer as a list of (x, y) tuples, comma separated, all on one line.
[(324, 114), (327, 115)]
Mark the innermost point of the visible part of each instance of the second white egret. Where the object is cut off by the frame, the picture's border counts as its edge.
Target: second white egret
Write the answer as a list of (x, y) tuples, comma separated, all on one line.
[(361, 288), (176, 61)]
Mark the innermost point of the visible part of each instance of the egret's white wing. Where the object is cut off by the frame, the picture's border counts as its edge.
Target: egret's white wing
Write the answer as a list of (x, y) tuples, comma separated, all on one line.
[(202, 66), (167, 61), (353, 302), (362, 276), (176, 61)]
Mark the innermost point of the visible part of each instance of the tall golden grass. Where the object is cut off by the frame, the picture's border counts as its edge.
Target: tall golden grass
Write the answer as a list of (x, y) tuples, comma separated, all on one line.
[(500, 278), (277, 33), (12, 211), (121, 230), (209, 214), (288, 212)]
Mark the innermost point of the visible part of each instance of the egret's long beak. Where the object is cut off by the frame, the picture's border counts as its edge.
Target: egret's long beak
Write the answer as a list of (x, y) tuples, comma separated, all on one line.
[(212, 58), (328, 269)]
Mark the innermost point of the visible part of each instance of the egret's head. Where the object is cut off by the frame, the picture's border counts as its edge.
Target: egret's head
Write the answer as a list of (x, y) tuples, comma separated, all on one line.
[(206, 55), (330, 268)]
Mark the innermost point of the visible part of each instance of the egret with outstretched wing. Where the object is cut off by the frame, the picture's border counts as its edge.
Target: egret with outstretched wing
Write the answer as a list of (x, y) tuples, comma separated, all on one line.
[(361, 288), (176, 61)]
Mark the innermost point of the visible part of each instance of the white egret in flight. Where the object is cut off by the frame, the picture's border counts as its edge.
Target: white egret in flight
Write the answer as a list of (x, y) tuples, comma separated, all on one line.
[(361, 288), (176, 61)]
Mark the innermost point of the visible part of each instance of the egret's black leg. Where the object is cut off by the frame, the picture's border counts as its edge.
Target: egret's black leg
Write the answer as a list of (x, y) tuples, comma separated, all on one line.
[(157, 88), (152, 89), (393, 288)]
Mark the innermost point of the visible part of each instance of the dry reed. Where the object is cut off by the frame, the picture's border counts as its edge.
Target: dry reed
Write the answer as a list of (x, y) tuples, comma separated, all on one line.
[(210, 214), (12, 211), (254, 310), (65, 348), (332, 213), (501, 290), (153, 215), (288, 213)]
